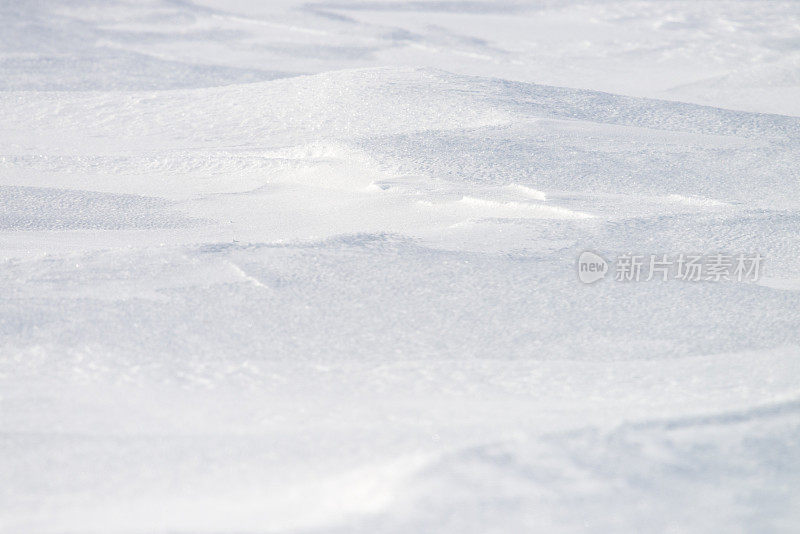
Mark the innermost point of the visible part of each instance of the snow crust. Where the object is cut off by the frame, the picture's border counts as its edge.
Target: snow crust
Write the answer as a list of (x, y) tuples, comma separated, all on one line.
[(310, 267)]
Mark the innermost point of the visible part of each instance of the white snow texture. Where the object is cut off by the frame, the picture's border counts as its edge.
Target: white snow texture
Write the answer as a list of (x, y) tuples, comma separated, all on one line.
[(299, 266)]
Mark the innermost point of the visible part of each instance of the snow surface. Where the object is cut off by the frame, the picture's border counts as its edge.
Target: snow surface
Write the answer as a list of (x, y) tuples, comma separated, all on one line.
[(310, 266)]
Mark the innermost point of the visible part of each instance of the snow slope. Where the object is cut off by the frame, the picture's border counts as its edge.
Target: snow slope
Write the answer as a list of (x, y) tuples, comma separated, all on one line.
[(235, 300)]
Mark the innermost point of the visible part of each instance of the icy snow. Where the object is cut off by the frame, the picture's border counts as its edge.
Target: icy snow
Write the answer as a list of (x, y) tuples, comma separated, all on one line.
[(310, 267)]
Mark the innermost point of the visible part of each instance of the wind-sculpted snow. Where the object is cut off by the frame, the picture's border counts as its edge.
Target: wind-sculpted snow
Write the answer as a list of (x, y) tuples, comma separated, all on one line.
[(614, 481), (256, 280), (729, 53)]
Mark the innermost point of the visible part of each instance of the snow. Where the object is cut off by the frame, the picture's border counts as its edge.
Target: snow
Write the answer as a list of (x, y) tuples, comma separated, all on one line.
[(311, 267)]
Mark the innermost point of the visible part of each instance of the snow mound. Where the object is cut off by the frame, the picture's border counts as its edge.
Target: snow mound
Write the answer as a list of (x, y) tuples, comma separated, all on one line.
[(349, 301)]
